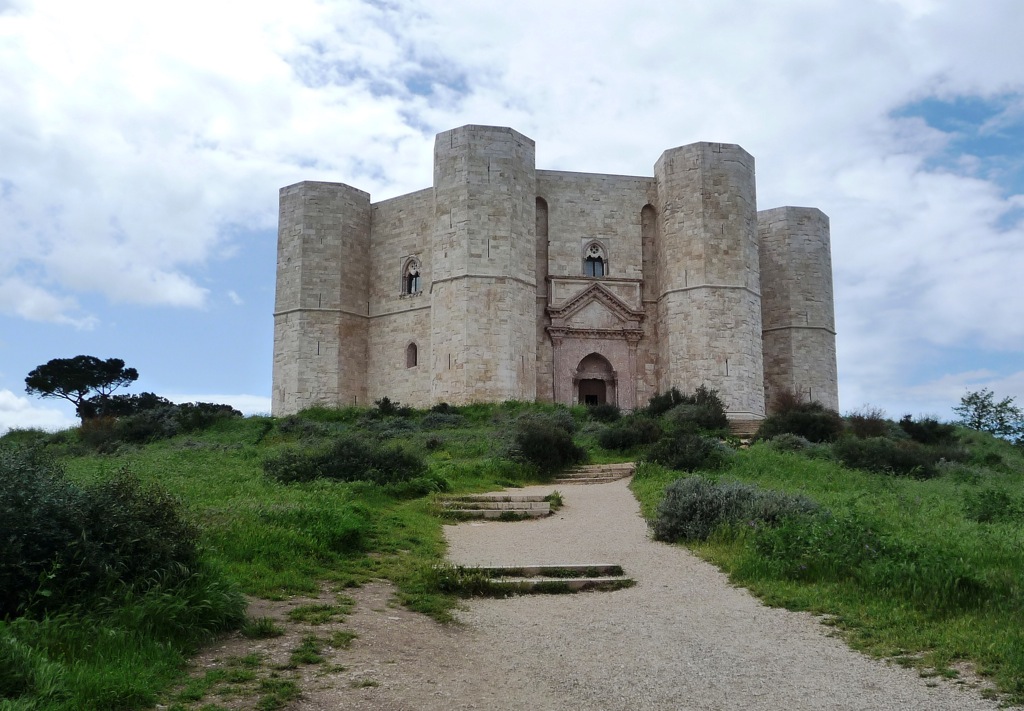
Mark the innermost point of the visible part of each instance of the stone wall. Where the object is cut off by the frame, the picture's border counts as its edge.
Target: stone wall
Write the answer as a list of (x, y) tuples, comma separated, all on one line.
[(708, 275), (798, 311), (483, 313), (699, 288), (584, 207), (320, 317)]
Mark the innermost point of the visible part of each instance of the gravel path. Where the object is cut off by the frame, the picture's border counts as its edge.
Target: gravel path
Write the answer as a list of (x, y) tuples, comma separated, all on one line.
[(682, 638)]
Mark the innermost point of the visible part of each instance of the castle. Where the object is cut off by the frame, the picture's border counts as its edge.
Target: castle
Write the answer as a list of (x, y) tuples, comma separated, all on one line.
[(505, 282)]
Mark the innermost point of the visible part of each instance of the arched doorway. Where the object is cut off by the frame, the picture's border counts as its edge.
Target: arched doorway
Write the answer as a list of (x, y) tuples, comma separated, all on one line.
[(594, 381)]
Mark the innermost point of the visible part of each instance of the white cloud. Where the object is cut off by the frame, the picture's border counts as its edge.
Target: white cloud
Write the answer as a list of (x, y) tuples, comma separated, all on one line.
[(235, 298), (21, 413), (133, 136)]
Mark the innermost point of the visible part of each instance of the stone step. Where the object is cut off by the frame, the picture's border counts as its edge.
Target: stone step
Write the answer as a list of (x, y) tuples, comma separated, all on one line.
[(558, 585), (744, 429), (498, 513), (497, 497), (553, 570), (597, 473), (609, 467), (537, 579), (586, 480), (502, 505)]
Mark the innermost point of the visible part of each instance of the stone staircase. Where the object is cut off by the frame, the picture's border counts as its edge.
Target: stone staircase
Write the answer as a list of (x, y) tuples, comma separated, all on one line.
[(500, 506), (596, 473), (498, 581), (744, 429)]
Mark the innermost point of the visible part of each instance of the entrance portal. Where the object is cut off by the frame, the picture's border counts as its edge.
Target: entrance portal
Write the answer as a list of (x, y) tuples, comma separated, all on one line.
[(593, 392), (594, 381)]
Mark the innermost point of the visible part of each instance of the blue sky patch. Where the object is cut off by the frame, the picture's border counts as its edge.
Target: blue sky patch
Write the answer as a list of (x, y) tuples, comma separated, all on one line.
[(988, 129)]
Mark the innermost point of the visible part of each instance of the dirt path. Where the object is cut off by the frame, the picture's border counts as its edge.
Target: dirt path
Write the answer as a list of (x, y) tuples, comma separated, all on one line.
[(682, 638)]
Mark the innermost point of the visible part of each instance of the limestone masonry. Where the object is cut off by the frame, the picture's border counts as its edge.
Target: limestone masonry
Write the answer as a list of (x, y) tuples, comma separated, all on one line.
[(505, 282)]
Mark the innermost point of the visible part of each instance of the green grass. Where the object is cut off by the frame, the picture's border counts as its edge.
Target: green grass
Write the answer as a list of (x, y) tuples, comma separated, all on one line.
[(274, 540), (942, 586), (259, 537)]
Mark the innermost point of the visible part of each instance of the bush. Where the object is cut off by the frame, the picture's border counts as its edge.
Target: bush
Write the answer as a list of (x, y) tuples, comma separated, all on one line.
[(688, 452), (605, 412), (61, 544), (885, 456), (788, 442), (387, 408), (928, 430), (122, 405), (812, 421), (150, 419), (695, 418), (348, 458), (868, 422), (993, 506), (661, 403), (693, 508), (711, 407), (436, 419), (543, 440), (25, 437), (630, 432)]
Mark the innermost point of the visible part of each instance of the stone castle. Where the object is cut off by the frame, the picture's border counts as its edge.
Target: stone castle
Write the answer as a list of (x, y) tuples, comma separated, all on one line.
[(505, 282)]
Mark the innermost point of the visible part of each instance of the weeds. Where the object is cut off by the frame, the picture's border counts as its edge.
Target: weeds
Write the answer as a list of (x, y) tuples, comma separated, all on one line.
[(322, 614), (261, 628)]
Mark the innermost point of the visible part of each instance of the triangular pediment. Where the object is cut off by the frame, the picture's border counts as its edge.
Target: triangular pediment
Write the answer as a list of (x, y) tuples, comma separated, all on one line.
[(594, 314), (595, 308)]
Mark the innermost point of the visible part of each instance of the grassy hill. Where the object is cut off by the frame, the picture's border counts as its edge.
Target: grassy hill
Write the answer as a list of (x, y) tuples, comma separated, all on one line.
[(926, 567)]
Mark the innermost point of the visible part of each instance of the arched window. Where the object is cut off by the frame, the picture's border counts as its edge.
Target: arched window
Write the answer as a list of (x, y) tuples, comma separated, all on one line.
[(411, 283), (411, 355), (594, 262)]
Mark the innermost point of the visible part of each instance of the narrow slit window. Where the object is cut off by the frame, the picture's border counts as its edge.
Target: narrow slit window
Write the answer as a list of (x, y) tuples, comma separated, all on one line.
[(411, 356)]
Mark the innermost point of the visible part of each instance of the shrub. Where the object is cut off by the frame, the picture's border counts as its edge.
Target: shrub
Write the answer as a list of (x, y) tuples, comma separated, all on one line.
[(420, 486), (693, 508), (24, 437), (605, 412), (630, 432), (688, 452), (885, 456), (295, 425), (992, 506), (812, 421), (61, 544), (661, 403), (712, 407), (195, 416), (149, 418), (560, 417), (789, 442), (434, 420), (99, 433), (348, 458), (868, 422), (541, 439), (387, 408), (928, 430), (695, 418), (122, 405)]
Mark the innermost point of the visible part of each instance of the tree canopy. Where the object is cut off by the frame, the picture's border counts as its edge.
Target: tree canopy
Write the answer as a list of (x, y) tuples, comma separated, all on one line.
[(980, 411), (79, 379)]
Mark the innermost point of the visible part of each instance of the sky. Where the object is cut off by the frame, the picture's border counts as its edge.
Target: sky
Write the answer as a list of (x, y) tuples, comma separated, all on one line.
[(142, 146)]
